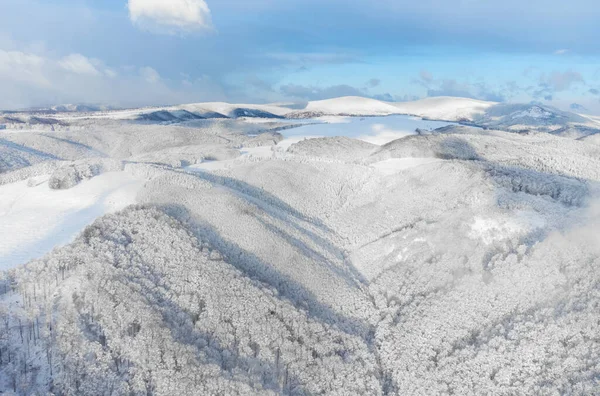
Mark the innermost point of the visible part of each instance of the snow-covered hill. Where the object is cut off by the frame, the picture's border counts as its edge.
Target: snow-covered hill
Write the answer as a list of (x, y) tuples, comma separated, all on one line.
[(350, 105), (251, 260), (510, 117)]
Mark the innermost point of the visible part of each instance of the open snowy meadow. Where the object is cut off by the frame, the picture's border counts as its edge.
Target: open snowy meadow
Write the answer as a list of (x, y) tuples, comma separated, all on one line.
[(349, 247)]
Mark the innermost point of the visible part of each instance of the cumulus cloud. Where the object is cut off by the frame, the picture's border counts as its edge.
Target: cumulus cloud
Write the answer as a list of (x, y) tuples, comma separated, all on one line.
[(170, 16)]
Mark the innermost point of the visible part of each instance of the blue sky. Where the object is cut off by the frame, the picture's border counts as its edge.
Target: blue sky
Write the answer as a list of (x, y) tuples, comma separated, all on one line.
[(141, 52)]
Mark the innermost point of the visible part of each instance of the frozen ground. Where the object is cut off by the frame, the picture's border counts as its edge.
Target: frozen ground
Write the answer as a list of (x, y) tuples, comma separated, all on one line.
[(353, 257)]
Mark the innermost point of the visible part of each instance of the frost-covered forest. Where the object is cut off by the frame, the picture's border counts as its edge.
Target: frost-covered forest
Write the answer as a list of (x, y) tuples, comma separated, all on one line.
[(462, 260)]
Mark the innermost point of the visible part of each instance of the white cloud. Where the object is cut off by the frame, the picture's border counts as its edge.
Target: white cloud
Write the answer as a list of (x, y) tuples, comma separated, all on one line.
[(78, 64), (23, 67), (562, 51), (170, 15), (150, 75)]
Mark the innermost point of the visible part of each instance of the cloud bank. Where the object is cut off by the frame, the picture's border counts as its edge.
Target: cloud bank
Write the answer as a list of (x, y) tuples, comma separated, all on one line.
[(38, 80)]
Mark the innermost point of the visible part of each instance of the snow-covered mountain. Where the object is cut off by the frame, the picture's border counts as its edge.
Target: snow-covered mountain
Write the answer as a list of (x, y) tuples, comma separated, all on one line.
[(530, 116), (512, 117), (81, 108), (198, 249)]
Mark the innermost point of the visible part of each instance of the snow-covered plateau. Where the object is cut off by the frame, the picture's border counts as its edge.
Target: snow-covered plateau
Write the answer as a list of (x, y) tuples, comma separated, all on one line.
[(340, 247)]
